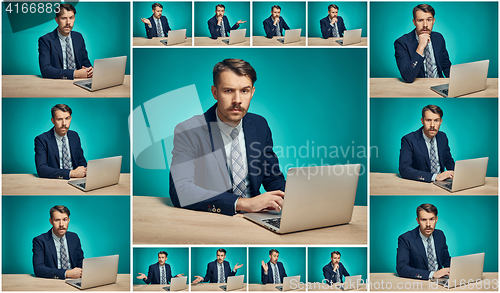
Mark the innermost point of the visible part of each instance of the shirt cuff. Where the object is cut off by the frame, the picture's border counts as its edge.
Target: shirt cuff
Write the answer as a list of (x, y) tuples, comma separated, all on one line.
[(431, 274), (265, 273), (433, 177), (69, 174), (235, 203), (150, 26)]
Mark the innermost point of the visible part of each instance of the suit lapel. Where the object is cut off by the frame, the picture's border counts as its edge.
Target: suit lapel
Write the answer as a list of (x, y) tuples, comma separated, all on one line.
[(440, 152), (252, 151), (214, 136), (72, 150), (51, 245), (270, 272), (53, 145), (71, 248), (420, 245), (423, 147), (57, 45), (157, 273)]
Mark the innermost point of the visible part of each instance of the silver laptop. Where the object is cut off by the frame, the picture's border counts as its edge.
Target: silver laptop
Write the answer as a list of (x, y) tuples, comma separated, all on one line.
[(291, 36), (351, 283), (236, 36), (464, 270), (97, 271), (100, 173), (177, 284), (233, 283), (175, 37), (465, 78), (350, 37), (467, 174), (289, 283), (310, 195), (107, 73)]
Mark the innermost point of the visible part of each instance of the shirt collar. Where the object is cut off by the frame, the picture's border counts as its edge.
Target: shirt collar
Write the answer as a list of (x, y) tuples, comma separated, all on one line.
[(58, 136), (227, 129), (424, 238), (57, 237), (63, 38)]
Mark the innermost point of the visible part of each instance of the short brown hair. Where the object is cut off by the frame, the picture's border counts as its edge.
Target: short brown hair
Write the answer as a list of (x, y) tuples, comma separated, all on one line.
[(275, 6), (332, 6), (156, 5), (67, 7), (434, 109), (61, 107), (273, 250), (163, 252), (238, 66), (221, 250), (423, 8), (59, 208), (221, 6), (430, 208), (335, 252)]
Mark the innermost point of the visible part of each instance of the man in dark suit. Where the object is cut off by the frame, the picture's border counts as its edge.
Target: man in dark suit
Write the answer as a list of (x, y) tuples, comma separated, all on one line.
[(220, 159), (335, 270), (274, 24), (422, 52), (218, 270), (219, 26), (58, 152), (272, 272), (425, 153), (422, 252), (160, 272), (333, 24), (58, 253), (157, 24), (62, 52)]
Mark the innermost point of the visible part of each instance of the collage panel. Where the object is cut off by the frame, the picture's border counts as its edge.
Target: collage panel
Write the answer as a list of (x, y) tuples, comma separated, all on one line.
[(51, 254)]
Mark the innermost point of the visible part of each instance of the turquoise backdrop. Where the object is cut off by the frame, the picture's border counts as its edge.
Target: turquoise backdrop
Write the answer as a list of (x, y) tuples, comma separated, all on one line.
[(178, 14), (470, 224), (310, 109), (101, 222), (294, 14), (234, 12), (201, 256), (105, 26), (470, 30), (354, 260), (293, 259), (102, 125), (178, 259), (463, 119), (354, 15)]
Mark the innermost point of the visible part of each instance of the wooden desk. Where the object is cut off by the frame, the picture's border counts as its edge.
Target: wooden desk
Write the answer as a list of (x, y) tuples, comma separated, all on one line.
[(206, 41), (263, 41), (25, 282), (182, 226), (392, 184), (331, 42), (155, 42), (425, 285), (420, 88), (29, 184), (154, 287), (271, 287), (34, 86), (213, 287), (326, 287)]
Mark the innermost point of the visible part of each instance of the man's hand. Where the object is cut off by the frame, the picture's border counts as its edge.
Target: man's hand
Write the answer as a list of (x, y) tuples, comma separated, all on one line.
[(80, 73), (90, 71), (441, 273), (141, 276), (334, 20), (197, 280), (336, 266), (219, 20), (74, 273), (237, 266), (445, 175), (264, 266), (79, 172), (241, 21), (423, 40), (146, 21), (276, 20), (179, 275), (272, 200)]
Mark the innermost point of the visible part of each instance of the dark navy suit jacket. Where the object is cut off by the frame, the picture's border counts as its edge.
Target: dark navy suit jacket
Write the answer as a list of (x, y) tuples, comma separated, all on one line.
[(152, 32), (215, 29), (47, 155), (414, 162), (411, 259), (212, 273), (411, 64), (199, 165), (50, 55), (327, 29), (154, 274), (269, 279), (330, 275), (45, 255), (270, 28)]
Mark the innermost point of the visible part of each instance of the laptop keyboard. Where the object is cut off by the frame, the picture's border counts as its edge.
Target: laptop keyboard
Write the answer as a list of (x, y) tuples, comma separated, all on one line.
[(445, 91), (223, 287), (448, 185), (273, 222), (79, 284), (82, 185), (89, 85)]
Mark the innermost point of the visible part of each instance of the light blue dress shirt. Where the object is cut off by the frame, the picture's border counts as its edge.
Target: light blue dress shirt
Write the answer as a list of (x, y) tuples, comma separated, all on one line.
[(434, 145), (58, 248), (434, 65), (424, 240), (59, 146)]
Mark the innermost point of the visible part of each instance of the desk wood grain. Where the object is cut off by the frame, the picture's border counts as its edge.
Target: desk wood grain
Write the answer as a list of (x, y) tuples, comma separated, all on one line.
[(392, 184), (155, 42), (271, 287), (420, 88), (206, 41), (182, 226), (332, 42), (25, 282), (213, 287), (34, 86), (29, 184), (263, 41), (154, 287)]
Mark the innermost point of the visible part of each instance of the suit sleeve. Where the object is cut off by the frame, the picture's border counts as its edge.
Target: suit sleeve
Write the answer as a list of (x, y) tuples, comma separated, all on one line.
[(167, 27), (405, 163), (169, 274), (150, 277), (234, 27), (269, 28), (448, 159), (328, 274), (345, 273), (326, 29), (150, 33), (263, 275), (285, 26), (79, 153), (44, 59), (231, 272), (403, 261), (445, 254), (39, 267), (41, 161), (284, 272), (78, 254), (208, 275), (214, 29), (83, 55), (409, 63), (445, 60), (273, 178), (341, 26)]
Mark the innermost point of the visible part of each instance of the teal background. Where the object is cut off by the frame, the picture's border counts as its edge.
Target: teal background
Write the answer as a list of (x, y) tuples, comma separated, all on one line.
[(470, 224), (102, 125), (470, 124), (354, 260), (234, 12), (294, 14), (105, 26), (354, 15), (101, 222), (293, 259), (317, 107), (201, 256), (178, 15), (470, 30), (178, 259)]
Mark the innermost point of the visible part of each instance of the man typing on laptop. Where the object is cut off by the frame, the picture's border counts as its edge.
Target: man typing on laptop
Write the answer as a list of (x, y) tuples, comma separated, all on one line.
[(218, 25), (425, 153), (273, 272), (274, 24)]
